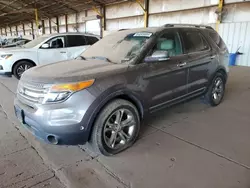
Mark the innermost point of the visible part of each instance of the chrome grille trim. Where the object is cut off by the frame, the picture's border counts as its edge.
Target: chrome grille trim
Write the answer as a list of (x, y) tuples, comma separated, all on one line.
[(33, 85), (31, 92), (31, 99)]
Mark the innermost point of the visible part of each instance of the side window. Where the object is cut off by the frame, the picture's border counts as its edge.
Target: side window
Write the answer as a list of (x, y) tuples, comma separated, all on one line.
[(57, 42), (76, 40), (168, 43), (194, 42), (91, 40), (217, 39)]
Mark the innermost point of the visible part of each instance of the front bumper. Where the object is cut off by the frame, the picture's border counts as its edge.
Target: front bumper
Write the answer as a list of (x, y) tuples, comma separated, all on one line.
[(5, 68), (7, 74), (66, 122)]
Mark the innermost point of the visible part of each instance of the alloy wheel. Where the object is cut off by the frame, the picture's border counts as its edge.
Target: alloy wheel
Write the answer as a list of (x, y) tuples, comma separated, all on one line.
[(119, 129), (218, 90), (22, 68)]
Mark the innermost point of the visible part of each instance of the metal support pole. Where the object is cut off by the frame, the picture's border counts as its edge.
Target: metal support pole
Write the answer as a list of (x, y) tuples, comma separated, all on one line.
[(86, 15), (37, 22), (43, 27), (146, 13), (66, 23), (1, 32), (36, 15), (10, 31), (5, 31), (50, 30), (220, 8), (102, 19), (32, 30), (77, 26), (57, 24), (16, 31), (145, 10), (23, 29)]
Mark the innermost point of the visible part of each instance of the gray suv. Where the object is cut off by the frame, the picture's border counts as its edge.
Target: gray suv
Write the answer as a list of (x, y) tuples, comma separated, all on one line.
[(102, 96)]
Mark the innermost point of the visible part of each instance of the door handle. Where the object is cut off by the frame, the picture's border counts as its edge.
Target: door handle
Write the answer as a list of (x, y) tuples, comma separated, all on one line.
[(212, 57), (182, 64), (63, 52)]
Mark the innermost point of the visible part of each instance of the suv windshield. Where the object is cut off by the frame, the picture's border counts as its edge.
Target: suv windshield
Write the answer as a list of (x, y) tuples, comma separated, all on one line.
[(35, 42), (119, 47)]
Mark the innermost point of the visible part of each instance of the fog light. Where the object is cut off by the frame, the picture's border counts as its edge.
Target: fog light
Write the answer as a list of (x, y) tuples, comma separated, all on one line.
[(82, 128), (1, 67)]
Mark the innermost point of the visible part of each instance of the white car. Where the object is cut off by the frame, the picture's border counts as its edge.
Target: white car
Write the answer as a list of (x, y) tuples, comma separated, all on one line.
[(44, 50)]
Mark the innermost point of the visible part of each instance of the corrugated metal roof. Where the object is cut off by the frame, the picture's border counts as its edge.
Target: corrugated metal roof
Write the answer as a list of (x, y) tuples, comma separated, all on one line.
[(17, 11)]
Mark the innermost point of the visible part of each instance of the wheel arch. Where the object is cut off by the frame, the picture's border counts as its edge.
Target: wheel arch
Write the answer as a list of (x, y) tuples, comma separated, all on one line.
[(28, 60), (221, 70), (118, 95), (135, 101)]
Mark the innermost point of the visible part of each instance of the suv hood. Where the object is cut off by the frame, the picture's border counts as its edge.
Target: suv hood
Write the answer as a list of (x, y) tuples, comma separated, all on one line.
[(13, 50), (72, 71)]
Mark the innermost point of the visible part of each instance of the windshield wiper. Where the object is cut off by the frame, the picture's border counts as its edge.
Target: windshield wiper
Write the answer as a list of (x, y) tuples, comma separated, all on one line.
[(101, 58)]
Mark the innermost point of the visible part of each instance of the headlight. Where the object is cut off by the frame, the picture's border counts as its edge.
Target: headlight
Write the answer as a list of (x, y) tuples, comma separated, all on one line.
[(60, 92), (56, 97), (6, 56)]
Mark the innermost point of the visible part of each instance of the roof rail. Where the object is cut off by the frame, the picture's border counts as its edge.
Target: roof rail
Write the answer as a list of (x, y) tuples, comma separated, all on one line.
[(188, 25)]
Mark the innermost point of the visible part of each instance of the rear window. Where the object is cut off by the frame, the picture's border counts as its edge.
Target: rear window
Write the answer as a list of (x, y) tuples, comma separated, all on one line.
[(217, 40), (194, 41)]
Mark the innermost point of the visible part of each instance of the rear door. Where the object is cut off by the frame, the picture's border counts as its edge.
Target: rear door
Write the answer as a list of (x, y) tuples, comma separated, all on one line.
[(167, 78), (76, 45), (200, 56)]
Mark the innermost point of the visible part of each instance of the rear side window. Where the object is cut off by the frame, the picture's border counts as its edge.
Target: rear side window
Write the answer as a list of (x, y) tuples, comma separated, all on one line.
[(194, 41), (91, 40), (76, 40), (217, 39)]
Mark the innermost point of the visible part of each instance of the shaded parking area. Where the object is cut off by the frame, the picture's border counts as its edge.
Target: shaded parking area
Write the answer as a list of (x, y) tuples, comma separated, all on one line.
[(188, 145)]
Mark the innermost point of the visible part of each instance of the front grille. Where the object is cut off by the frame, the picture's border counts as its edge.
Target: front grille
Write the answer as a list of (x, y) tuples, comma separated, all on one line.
[(31, 92)]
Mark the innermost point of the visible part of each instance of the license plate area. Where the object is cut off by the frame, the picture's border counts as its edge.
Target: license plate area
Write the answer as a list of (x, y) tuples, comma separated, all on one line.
[(19, 114)]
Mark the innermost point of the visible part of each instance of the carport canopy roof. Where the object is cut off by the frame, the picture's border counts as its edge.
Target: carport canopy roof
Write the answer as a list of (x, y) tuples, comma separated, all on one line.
[(15, 12)]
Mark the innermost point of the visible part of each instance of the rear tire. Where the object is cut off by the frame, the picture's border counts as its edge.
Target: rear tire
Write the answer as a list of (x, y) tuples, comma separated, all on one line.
[(21, 67), (216, 90), (116, 128)]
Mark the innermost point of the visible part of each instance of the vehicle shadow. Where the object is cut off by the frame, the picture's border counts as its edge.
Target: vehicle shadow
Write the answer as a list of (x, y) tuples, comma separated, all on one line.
[(169, 116)]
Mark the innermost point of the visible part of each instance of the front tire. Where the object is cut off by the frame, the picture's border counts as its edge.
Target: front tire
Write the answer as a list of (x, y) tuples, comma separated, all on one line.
[(21, 67), (116, 128), (216, 90)]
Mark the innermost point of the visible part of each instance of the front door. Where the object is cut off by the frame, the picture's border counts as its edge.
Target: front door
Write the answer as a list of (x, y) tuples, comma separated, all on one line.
[(167, 77), (54, 52), (200, 58)]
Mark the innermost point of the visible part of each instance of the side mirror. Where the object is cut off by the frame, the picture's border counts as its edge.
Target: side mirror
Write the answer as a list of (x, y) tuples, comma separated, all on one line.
[(158, 55), (45, 46)]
